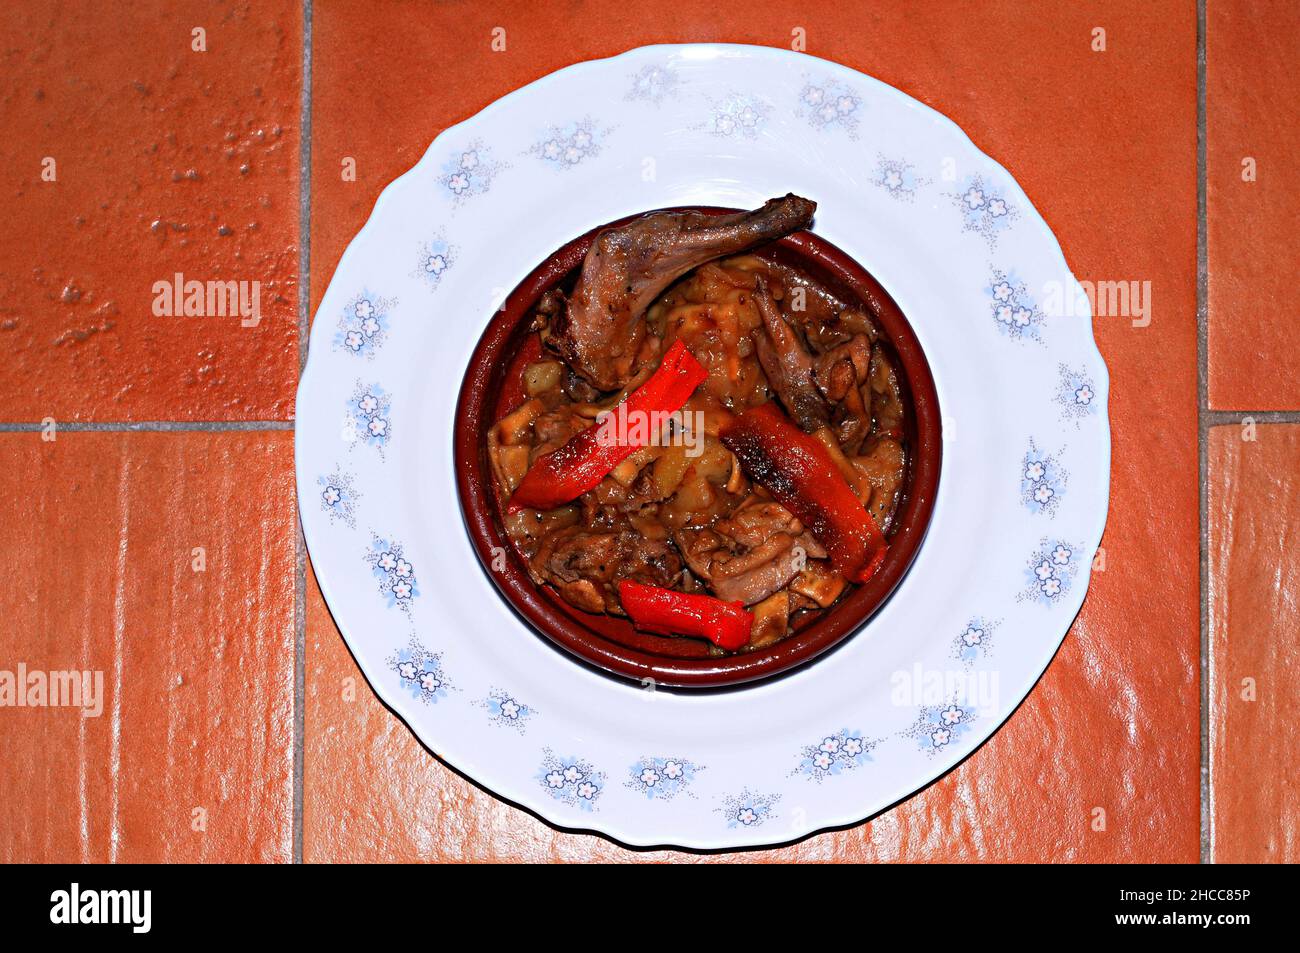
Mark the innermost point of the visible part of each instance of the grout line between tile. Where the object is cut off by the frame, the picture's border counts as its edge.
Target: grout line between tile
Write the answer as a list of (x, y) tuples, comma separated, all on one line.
[(1202, 430), (73, 426), (300, 562), (304, 193), (299, 683), (1220, 418)]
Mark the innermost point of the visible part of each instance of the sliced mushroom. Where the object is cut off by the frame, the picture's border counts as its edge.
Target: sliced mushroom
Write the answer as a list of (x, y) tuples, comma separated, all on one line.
[(771, 620)]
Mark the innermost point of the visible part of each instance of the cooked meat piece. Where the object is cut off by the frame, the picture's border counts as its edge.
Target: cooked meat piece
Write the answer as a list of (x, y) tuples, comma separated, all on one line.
[(762, 571), (529, 529), (840, 374), (886, 393), (600, 507), (576, 554), (550, 304), (578, 390), (789, 368), (753, 523), (552, 430), (652, 561), (579, 563), (884, 466), (812, 549), (825, 319), (843, 368), (600, 332), (697, 547), (835, 378), (749, 556)]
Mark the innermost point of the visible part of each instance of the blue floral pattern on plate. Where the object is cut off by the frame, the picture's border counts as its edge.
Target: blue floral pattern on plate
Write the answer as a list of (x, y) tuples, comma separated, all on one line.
[(898, 178), (571, 780), (507, 711), (1076, 394), (662, 778), (747, 809), (975, 641), (339, 497), (1042, 481), (653, 84), (985, 209), (435, 258), (370, 416), (567, 146), (395, 574), (1050, 571), (835, 754), (937, 727), (1013, 308), (421, 673), (830, 105), (469, 172), (737, 116), (363, 327)]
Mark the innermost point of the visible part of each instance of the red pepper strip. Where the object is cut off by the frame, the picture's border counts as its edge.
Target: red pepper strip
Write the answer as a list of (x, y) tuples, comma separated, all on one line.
[(725, 624), (567, 473), (798, 471)]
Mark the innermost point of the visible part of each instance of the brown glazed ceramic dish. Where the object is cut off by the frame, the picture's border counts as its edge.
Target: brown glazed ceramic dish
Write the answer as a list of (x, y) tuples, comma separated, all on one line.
[(611, 643)]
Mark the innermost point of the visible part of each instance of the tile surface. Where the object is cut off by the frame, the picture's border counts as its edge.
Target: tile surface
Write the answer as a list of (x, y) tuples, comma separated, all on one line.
[(1251, 92), (1254, 498), (197, 667), (165, 161), (1114, 724)]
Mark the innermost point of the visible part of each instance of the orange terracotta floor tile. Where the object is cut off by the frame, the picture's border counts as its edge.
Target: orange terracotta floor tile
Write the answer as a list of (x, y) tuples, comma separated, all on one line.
[(165, 160), (1251, 130), (197, 667), (1254, 499), (1114, 723)]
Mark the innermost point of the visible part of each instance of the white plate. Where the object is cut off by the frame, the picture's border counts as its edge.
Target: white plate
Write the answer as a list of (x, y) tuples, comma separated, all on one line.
[(1020, 508)]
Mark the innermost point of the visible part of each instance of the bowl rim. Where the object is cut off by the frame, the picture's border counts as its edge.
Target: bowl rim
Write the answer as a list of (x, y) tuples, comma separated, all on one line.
[(474, 413)]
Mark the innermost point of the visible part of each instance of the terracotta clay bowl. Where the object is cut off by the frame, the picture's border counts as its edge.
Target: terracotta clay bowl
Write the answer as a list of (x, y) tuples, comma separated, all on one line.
[(611, 643)]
